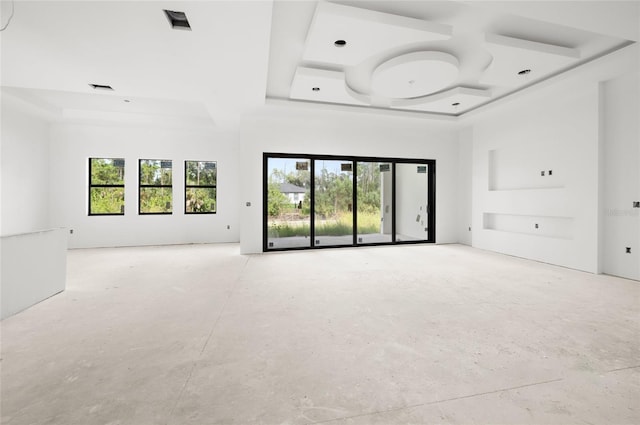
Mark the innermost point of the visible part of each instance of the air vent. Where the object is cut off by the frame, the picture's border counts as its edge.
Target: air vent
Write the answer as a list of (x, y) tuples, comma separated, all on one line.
[(101, 87), (178, 20)]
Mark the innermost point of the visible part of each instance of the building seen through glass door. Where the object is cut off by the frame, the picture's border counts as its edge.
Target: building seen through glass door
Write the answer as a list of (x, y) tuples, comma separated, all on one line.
[(316, 201)]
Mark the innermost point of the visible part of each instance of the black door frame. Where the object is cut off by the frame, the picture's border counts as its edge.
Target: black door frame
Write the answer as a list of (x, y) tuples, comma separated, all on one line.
[(431, 197)]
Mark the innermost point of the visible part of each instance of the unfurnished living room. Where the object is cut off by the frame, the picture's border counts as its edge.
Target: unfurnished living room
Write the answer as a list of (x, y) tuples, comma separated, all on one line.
[(320, 212)]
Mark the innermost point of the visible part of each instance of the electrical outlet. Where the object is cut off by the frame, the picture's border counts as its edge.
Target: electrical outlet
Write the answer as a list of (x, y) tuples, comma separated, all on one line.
[(228, 227), (542, 173), (628, 250), (536, 225), (636, 204), (71, 231), (550, 172), (469, 228), (248, 204)]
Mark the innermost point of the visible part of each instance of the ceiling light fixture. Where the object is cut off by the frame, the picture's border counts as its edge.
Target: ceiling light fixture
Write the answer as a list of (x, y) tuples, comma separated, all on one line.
[(101, 87), (178, 20), (456, 104), (524, 72), (316, 89), (340, 43), (127, 101)]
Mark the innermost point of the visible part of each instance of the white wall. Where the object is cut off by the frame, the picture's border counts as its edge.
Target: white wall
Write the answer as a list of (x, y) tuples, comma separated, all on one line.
[(621, 176), (554, 129), (465, 194), (25, 168), (33, 268), (283, 130), (73, 144)]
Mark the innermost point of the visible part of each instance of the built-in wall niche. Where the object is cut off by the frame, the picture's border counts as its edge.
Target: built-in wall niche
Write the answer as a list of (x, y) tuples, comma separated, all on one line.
[(518, 168), (545, 226)]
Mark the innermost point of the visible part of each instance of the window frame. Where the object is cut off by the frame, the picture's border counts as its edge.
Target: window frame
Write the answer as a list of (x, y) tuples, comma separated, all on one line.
[(393, 161), (192, 186), (92, 186), (143, 186)]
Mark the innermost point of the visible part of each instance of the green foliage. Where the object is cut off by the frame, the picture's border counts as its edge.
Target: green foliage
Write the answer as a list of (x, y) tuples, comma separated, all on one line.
[(155, 199), (107, 171), (278, 202), (200, 200), (201, 173), (107, 200), (152, 173)]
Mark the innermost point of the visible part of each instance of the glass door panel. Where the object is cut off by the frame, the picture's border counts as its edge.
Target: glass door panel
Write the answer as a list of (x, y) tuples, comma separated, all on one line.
[(288, 203), (374, 187), (333, 202), (411, 202)]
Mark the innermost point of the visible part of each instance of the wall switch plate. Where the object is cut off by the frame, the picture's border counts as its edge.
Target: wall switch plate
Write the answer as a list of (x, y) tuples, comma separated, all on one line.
[(248, 204)]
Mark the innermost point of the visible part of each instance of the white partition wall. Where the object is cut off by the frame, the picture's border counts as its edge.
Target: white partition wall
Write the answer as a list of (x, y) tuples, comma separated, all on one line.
[(34, 267)]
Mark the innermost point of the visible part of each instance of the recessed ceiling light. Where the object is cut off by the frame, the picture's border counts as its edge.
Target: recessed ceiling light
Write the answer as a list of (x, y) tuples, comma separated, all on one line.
[(524, 72), (316, 89), (101, 87), (340, 43), (178, 20)]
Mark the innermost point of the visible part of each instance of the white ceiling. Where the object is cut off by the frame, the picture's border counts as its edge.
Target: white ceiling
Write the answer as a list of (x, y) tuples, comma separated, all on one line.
[(390, 59), (241, 52), (53, 50)]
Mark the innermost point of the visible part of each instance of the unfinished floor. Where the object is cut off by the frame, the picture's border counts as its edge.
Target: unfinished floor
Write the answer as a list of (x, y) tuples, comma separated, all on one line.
[(418, 334)]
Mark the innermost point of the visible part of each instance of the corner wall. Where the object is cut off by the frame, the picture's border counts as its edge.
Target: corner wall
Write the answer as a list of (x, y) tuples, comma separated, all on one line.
[(316, 131), (621, 175), (25, 168), (73, 144), (516, 209)]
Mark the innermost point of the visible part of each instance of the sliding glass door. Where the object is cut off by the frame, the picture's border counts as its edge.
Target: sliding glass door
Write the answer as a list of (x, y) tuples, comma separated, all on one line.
[(375, 202), (412, 204), (333, 202), (316, 201), (288, 219)]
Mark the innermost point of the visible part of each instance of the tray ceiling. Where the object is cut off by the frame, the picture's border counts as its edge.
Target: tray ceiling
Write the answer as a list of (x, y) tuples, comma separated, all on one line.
[(433, 57)]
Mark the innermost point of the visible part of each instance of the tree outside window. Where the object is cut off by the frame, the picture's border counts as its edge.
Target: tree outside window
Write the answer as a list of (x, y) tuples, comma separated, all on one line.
[(201, 178), (155, 187), (106, 186)]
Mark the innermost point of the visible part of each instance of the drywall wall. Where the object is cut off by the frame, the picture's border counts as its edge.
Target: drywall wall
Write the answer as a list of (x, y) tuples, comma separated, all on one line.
[(25, 168), (621, 175), (465, 164), (73, 144), (315, 131), (34, 267), (535, 176)]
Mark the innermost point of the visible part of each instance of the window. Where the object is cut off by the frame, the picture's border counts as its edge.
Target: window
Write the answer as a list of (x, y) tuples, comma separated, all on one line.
[(316, 201), (155, 188), (200, 187), (106, 186)]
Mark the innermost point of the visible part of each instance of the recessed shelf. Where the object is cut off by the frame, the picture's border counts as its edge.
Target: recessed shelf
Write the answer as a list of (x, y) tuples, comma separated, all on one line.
[(534, 225), (522, 169)]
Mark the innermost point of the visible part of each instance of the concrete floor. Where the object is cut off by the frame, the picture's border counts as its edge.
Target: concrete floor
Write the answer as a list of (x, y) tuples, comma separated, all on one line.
[(417, 334)]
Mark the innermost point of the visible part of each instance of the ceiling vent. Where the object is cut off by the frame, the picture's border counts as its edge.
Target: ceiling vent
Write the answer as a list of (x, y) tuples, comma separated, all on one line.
[(178, 20), (101, 87)]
